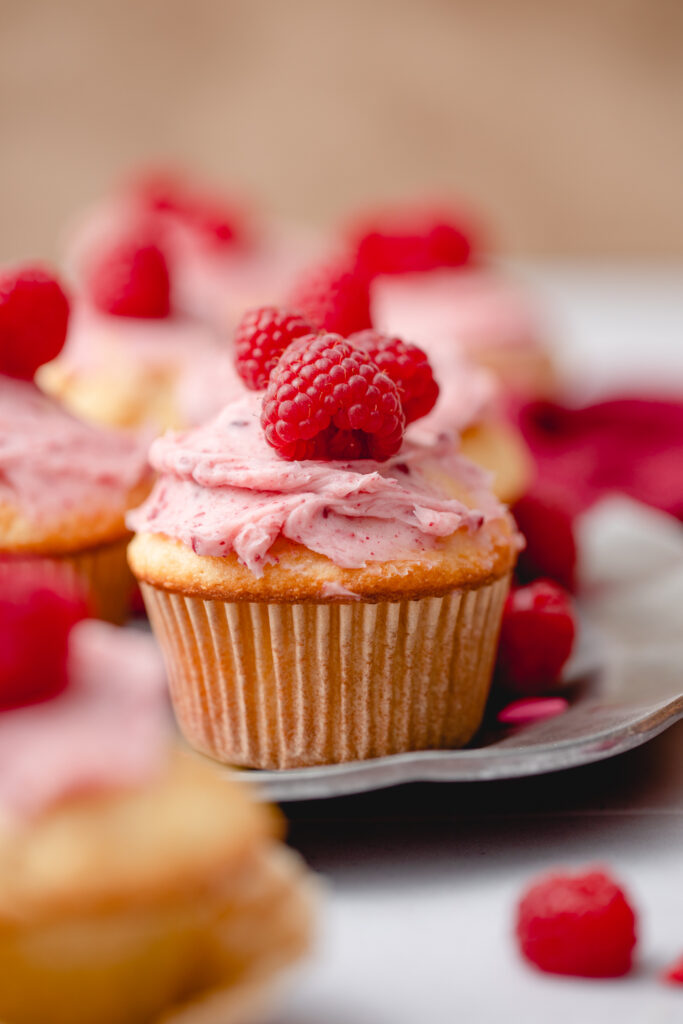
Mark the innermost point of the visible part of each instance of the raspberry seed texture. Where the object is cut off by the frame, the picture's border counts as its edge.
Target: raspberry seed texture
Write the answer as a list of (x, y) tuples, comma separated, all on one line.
[(327, 399)]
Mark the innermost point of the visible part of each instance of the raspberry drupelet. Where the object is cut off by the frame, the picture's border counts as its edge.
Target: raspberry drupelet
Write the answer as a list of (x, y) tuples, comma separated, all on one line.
[(328, 400)]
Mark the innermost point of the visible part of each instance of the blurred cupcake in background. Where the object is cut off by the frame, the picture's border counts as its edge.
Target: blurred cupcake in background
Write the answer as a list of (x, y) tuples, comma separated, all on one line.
[(428, 282), (135, 882), (128, 349), (65, 485), (223, 255)]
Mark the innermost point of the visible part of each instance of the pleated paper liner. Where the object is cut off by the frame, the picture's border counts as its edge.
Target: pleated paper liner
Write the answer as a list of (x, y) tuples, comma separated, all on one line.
[(288, 685), (99, 574)]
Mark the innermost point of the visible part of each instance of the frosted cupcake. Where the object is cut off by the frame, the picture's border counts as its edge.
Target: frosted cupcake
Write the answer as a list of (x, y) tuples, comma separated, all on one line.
[(135, 884), (129, 349), (65, 486), (222, 257), (428, 283), (487, 316), (322, 590)]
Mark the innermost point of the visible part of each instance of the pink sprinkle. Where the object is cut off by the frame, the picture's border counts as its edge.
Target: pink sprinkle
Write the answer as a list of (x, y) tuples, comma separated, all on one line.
[(532, 709)]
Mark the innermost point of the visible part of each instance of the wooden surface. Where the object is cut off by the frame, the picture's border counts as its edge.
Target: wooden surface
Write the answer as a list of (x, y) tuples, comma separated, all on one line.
[(561, 122)]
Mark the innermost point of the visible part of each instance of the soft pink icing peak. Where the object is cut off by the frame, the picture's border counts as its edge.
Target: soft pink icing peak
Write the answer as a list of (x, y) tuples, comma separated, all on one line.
[(109, 729), (222, 488), (50, 461), (474, 309)]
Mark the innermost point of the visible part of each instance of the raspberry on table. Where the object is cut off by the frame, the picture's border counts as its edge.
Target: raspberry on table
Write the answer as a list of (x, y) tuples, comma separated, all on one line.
[(333, 297), (327, 400), (260, 339), (581, 925), (130, 279), (409, 240), (34, 317), (408, 367), (33, 671), (536, 638)]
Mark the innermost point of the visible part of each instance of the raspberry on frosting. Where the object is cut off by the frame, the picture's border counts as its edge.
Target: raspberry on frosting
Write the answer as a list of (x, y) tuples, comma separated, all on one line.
[(407, 365), (581, 925), (34, 316), (35, 622), (260, 339), (410, 239), (333, 297), (536, 638), (130, 279), (327, 399)]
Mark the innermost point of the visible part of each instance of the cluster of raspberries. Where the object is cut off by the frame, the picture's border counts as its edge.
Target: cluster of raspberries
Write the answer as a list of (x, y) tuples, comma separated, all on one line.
[(342, 393)]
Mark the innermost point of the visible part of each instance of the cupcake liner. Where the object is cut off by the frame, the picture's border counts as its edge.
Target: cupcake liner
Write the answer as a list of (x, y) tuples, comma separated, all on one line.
[(100, 574), (268, 685)]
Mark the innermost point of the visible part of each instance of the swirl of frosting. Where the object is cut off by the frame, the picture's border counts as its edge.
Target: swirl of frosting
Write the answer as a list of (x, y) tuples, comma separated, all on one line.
[(51, 462), (222, 489)]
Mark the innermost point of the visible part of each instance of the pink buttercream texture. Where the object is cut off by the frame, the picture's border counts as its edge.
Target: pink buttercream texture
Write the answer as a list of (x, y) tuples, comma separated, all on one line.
[(222, 489), (110, 729), (51, 462), (477, 310)]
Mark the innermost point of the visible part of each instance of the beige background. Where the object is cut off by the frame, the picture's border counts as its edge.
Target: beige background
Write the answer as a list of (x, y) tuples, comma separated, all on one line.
[(561, 121)]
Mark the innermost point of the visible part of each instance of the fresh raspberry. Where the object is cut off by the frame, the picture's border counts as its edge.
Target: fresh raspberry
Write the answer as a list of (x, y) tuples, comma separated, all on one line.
[(410, 240), (261, 337), (408, 367), (130, 279), (548, 529), (536, 638), (333, 298), (34, 316), (674, 973), (581, 925), (329, 400), (35, 622)]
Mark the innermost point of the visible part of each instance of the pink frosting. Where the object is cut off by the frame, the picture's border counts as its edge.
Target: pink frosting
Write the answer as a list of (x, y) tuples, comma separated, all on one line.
[(475, 309), (221, 488), (97, 340), (468, 394), (208, 384), (109, 729), (209, 282), (50, 461)]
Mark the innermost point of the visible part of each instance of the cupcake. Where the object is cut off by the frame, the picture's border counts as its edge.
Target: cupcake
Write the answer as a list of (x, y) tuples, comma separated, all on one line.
[(322, 589), (223, 258), (136, 884), (128, 350), (486, 315), (428, 282), (65, 486)]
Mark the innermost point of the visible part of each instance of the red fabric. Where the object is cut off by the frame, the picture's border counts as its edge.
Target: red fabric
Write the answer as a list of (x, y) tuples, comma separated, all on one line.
[(628, 445)]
